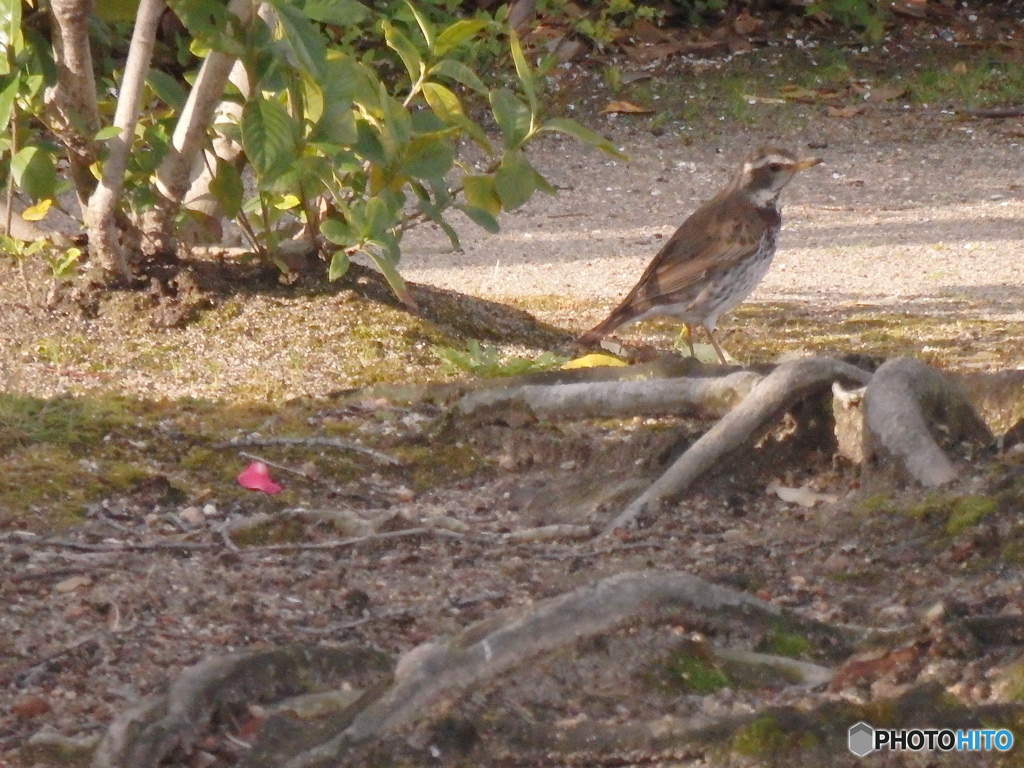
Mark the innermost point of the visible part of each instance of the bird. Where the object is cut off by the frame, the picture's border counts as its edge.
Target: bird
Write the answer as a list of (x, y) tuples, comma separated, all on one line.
[(717, 256)]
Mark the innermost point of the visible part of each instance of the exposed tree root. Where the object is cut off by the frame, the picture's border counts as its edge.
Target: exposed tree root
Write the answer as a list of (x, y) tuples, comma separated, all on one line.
[(706, 397), (778, 392), (444, 670), (152, 731), (906, 407)]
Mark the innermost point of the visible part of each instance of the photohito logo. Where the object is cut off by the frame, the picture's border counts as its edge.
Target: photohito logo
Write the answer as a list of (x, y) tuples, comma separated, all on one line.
[(863, 739)]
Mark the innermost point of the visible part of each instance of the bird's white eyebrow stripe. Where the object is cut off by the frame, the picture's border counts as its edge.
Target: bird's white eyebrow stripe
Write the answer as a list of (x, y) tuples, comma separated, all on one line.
[(768, 160)]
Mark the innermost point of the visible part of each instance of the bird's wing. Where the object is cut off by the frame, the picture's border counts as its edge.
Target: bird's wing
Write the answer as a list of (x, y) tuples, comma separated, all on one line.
[(700, 246), (707, 241)]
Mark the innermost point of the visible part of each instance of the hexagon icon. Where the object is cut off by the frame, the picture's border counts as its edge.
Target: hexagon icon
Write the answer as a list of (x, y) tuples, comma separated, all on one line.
[(862, 739)]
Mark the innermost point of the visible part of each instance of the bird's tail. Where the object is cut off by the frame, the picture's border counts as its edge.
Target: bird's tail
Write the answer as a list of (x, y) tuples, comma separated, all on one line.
[(620, 316)]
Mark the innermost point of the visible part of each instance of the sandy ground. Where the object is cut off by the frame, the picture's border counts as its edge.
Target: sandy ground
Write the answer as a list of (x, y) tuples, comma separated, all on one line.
[(908, 211)]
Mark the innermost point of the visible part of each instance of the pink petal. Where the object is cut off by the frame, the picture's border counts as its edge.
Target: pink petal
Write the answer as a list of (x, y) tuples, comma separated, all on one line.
[(255, 477)]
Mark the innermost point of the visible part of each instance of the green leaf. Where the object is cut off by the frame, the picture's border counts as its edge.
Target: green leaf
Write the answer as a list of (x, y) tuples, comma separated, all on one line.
[(428, 157), (303, 39), (480, 192), (116, 10), (481, 218), (34, 172), (368, 144), (39, 59), (312, 97), (396, 125), (167, 89), (337, 125), (377, 219), (338, 13), (515, 180), (455, 35), (460, 73), (108, 132), (7, 95), (209, 22), (269, 136), (524, 71), (227, 189), (339, 266), (426, 28), (578, 132), (446, 105), (10, 32), (385, 256), (338, 232), (406, 51), (513, 117)]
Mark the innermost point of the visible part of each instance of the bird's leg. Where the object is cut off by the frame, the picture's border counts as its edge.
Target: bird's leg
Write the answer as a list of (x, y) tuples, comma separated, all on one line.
[(689, 340), (714, 343)]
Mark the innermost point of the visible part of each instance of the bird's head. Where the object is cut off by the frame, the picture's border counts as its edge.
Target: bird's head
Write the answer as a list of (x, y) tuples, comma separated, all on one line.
[(765, 174)]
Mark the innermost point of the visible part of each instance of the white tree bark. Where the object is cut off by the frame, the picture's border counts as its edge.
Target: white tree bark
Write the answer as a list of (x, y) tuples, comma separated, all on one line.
[(104, 237), (179, 168)]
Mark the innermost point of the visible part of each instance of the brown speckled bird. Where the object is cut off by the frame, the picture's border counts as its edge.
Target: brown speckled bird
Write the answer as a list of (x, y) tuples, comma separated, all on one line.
[(718, 256)]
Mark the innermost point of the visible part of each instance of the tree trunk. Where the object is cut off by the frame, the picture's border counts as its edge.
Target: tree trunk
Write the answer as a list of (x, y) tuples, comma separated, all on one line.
[(104, 236), (73, 113)]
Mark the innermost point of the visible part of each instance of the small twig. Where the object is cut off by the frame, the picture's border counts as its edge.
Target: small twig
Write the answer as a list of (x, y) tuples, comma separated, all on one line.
[(354, 623), (355, 541), (274, 464), (126, 546), (326, 442), (997, 112), (23, 677), (603, 551), (225, 537), (55, 573)]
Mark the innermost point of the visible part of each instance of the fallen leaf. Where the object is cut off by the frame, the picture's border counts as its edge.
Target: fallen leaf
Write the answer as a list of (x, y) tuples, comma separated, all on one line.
[(745, 24), (804, 95), (960, 68), (37, 211), (29, 706), (843, 111), (256, 477), (751, 99), (593, 360), (645, 54), (886, 93), (803, 496), (73, 583), (625, 108)]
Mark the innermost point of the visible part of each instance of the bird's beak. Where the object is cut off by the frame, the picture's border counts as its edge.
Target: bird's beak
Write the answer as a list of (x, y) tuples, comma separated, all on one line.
[(807, 162)]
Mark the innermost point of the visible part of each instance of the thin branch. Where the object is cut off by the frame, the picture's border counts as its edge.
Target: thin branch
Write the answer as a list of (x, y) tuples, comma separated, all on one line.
[(325, 442)]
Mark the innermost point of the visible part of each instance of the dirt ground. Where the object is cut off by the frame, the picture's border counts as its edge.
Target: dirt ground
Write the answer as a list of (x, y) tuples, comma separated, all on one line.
[(916, 216)]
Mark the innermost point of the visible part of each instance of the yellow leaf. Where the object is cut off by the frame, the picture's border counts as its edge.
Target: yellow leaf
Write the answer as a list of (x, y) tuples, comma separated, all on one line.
[(37, 211), (625, 108), (593, 361), (287, 202)]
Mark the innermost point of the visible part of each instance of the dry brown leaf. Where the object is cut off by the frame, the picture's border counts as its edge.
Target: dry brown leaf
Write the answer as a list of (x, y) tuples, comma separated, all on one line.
[(73, 583), (645, 54), (745, 24), (886, 93), (646, 32), (799, 93), (844, 111), (625, 108), (960, 68), (917, 9)]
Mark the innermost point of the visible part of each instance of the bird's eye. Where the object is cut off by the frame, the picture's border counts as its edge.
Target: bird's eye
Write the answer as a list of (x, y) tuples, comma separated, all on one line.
[(775, 167)]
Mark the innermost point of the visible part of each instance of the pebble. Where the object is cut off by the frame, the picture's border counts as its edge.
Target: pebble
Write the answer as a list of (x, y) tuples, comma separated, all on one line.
[(192, 515)]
